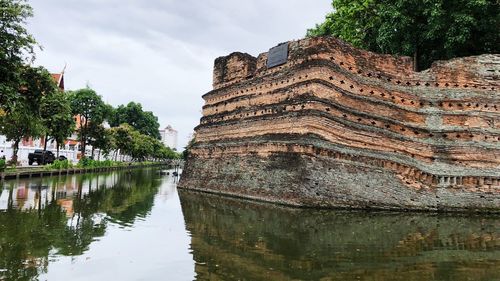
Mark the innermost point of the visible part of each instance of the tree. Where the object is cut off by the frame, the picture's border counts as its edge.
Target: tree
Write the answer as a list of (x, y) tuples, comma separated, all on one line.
[(428, 30), (99, 137), (18, 124), (139, 146), (57, 117), (23, 119), (122, 138), (133, 114), (16, 48), (89, 107)]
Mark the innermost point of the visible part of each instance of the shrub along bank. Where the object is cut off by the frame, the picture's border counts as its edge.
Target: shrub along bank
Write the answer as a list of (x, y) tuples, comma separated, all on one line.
[(64, 166), (87, 163)]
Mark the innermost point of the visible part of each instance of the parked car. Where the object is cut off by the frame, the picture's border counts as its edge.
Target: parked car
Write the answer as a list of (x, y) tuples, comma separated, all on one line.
[(61, 158), (41, 157)]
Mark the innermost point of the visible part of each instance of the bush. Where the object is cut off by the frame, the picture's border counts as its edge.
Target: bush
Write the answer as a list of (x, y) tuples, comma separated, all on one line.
[(61, 164), (90, 163), (3, 165), (86, 162)]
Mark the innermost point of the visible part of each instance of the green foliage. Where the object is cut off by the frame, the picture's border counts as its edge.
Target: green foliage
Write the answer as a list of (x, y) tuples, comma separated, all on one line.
[(98, 137), (188, 147), (352, 21), (60, 165), (87, 162), (428, 30), (3, 165), (23, 118), (20, 123), (139, 146), (16, 48), (143, 121), (36, 82), (88, 105), (57, 116)]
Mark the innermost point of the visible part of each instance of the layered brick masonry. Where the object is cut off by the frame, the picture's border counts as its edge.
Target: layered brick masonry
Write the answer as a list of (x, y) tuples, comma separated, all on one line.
[(341, 127)]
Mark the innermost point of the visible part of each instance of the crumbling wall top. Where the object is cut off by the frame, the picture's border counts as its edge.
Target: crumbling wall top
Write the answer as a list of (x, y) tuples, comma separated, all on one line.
[(232, 68), (238, 67)]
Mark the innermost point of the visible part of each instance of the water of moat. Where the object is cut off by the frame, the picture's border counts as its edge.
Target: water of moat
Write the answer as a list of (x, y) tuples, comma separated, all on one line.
[(137, 226)]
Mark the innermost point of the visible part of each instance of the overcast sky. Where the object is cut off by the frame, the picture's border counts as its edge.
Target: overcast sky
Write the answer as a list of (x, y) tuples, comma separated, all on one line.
[(160, 52)]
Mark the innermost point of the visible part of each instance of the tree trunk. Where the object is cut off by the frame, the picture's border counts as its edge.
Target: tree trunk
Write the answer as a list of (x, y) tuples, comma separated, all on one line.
[(10, 199), (57, 149), (15, 149), (415, 60), (93, 152), (45, 140), (82, 146), (83, 137)]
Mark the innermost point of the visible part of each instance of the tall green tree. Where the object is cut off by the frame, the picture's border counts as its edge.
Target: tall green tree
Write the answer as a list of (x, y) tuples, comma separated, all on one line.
[(98, 138), (36, 82), (23, 120), (89, 107), (18, 124), (57, 117), (122, 138), (16, 49), (427, 30), (139, 146), (133, 114)]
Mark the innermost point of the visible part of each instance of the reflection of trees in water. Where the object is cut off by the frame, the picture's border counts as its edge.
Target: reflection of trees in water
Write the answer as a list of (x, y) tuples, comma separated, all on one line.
[(232, 239), (28, 237)]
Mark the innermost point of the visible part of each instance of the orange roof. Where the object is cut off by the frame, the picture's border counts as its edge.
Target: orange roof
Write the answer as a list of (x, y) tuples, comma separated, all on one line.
[(71, 142), (56, 77), (59, 79)]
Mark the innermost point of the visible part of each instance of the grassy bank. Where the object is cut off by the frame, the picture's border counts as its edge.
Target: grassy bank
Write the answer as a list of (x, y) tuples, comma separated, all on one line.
[(66, 167)]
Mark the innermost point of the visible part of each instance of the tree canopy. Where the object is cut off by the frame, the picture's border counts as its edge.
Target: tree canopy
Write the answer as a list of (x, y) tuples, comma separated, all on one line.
[(23, 117), (57, 117), (428, 30), (16, 48), (133, 114), (140, 146), (89, 107)]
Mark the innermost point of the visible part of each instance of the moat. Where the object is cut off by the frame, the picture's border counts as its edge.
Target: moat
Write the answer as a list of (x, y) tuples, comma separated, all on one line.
[(135, 225)]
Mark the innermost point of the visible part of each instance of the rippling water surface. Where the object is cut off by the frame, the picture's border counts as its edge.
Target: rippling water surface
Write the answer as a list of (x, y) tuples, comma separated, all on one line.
[(137, 226)]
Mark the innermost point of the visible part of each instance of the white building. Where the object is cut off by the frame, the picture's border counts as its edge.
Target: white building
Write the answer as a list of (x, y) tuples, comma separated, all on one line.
[(169, 137)]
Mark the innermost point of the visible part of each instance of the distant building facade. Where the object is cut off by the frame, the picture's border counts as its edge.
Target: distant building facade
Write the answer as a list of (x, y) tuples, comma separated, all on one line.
[(169, 137)]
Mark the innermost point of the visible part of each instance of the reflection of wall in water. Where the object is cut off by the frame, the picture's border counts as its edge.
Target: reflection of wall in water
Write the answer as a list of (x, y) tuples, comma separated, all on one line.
[(232, 238)]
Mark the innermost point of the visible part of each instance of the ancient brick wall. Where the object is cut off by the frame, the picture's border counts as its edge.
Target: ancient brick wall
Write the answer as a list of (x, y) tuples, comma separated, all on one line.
[(428, 140)]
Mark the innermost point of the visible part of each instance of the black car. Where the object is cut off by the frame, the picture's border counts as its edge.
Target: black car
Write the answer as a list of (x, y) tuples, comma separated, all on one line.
[(41, 157)]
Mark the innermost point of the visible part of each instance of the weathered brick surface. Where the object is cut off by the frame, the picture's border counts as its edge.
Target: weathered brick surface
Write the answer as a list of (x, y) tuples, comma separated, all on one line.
[(340, 127)]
